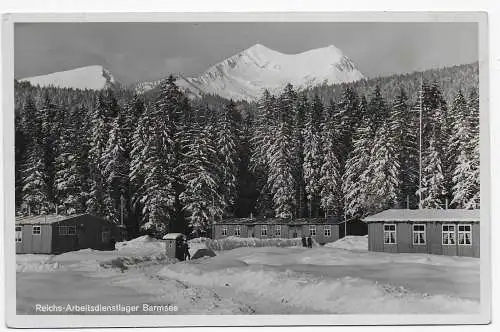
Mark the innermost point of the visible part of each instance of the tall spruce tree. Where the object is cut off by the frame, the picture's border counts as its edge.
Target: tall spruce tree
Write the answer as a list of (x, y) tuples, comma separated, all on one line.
[(313, 156), (227, 145), (116, 161), (330, 171), (281, 159), (99, 137), (35, 191), (161, 162), (404, 126), (354, 184), (202, 197)]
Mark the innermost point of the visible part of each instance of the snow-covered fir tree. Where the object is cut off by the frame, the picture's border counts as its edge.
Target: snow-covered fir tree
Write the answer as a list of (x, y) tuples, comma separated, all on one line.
[(160, 160), (260, 142), (354, 185), (464, 189), (227, 133), (433, 186), (382, 175), (35, 191), (330, 172), (281, 159), (99, 138), (115, 161), (313, 156), (202, 198), (138, 155), (69, 179), (404, 126)]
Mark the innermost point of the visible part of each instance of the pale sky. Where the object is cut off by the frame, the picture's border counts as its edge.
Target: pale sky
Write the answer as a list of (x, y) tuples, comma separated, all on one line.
[(136, 52)]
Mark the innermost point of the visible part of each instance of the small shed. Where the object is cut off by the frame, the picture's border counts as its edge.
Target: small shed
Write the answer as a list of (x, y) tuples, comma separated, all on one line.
[(323, 230), (453, 232), (56, 233), (174, 245)]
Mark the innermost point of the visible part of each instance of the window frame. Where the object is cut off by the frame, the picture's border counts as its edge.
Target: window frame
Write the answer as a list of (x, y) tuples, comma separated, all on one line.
[(390, 231), (329, 229), (237, 230), (312, 230), (277, 230), (67, 230), (413, 232), (262, 229), (105, 231), (224, 231), (459, 232), (39, 227), (448, 233), (19, 232)]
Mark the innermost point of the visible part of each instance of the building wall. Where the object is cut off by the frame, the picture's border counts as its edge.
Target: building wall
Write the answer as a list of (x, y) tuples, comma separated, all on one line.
[(35, 244), (287, 231), (433, 245), (89, 231)]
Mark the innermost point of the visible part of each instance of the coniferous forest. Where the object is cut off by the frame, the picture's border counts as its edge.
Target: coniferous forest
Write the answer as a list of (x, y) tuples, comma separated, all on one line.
[(176, 164)]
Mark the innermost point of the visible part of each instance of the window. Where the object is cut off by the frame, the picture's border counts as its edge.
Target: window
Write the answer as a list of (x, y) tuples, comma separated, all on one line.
[(105, 235), (448, 235), (277, 230), (419, 234), (67, 230), (263, 230), (464, 235), (19, 234), (328, 230), (390, 234), (237, 231), (37, 230), (224, 231), (312, 230)]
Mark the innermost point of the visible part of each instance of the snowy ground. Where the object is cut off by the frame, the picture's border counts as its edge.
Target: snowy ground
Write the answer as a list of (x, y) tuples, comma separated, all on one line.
[(341, 277)]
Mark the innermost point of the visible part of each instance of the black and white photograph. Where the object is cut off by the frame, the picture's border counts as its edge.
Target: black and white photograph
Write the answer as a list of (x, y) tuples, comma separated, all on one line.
[(225, 167)]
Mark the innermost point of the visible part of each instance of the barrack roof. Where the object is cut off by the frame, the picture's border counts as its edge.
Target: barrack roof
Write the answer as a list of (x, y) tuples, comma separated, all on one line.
[(425, 215), (44, 218), (280, 221)]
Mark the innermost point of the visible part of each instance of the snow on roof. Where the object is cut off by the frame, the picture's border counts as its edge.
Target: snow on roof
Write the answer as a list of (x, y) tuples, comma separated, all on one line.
[(425, 215), (44, 218), (173, 236), (280, 221)]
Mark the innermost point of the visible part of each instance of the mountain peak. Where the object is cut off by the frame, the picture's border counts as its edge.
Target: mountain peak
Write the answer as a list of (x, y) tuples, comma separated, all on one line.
[(245, 75), (94, 77)]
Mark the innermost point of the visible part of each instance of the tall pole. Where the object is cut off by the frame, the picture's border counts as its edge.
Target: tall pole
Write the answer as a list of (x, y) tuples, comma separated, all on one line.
[(420, 148), (121, 209)]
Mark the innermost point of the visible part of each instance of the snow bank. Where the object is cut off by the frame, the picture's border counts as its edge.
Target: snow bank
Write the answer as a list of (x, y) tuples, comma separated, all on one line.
[(144, 249), (342, 295), (358, 243)]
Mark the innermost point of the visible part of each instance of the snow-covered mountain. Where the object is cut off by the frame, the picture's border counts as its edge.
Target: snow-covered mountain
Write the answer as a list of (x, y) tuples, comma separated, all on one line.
[(246, 74), (90, 77)]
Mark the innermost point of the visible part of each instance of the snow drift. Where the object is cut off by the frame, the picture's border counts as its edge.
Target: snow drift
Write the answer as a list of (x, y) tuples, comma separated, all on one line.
[(293, 276)]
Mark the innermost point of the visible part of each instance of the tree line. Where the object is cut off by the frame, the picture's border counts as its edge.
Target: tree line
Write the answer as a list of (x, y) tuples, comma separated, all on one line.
[(174, 164)]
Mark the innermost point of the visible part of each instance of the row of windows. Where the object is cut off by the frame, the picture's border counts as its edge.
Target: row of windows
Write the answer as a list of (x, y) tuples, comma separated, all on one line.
[(277, 230), (37, 230), (419, 237)]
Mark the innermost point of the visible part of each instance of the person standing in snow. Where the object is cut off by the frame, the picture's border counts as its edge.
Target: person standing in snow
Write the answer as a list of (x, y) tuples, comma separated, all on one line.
[(309, 242), (187, 255), (304, 241)]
